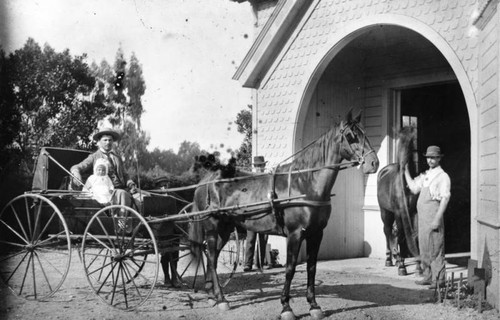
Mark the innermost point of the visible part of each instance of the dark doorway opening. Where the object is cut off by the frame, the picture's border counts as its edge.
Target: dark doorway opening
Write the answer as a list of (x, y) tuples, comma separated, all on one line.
[(440, 114)]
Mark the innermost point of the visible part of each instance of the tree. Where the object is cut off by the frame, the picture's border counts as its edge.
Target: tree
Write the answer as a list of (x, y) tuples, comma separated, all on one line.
[(133, 145), (117, 95), (187, 152), (54, 96), (244, 125), (135, 88), (10, 119)]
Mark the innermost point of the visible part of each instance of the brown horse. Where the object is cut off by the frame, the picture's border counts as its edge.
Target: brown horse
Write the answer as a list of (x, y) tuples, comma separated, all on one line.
[(293, 201), (398, 204)]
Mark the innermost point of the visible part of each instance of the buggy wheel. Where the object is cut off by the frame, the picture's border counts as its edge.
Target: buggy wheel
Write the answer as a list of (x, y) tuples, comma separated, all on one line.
[(229, 259), (120, 257), (192, 266), (35, 253)]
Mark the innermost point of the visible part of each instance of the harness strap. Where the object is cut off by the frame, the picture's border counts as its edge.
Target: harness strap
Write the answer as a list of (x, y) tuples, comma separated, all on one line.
[(272, 196)]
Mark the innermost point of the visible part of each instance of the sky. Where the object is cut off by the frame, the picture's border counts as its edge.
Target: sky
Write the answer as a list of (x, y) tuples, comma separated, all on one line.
[(189, 50)]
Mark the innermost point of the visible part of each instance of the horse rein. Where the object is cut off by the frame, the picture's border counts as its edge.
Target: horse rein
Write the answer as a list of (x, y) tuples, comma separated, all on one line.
[(348, 135)]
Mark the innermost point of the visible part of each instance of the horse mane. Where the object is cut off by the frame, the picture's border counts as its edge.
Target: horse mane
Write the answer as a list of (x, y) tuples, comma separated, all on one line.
[(318, 152), (406, 136), (206, 165)]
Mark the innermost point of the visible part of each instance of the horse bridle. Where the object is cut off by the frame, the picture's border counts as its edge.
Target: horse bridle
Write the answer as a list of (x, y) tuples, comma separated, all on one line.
[(348, 135)]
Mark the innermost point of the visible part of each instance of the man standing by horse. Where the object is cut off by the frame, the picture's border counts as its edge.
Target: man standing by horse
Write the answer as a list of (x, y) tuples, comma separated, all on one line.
[(251, 239), (433, 187)]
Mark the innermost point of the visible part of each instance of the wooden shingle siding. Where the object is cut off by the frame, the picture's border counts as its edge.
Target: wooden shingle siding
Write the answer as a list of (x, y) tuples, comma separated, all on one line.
[(488, 124)]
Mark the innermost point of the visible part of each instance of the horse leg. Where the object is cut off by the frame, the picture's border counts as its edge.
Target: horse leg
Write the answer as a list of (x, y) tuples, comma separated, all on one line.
[(216, 292), (164, 265), (388, 220), (403, 249), (418, 268), (292, 251), (313, 244)]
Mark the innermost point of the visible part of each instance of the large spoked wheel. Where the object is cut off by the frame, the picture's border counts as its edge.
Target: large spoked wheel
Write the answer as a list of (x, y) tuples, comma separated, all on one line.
[(192, 265), (120, 257), (35, 247)]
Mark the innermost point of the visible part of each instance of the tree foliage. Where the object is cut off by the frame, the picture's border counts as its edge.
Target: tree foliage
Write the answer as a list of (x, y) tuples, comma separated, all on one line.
[(10, 120), (51, 98), (244, 125), (54, 98), (136, 87)]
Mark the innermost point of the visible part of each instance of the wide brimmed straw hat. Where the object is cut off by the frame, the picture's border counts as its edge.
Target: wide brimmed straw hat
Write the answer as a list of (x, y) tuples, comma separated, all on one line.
[(106, 132), (433, 151)]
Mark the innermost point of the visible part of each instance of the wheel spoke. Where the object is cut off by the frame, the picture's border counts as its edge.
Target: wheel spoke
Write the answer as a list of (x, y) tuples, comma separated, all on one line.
[(27, 239), (26, 273), (118, 258), (19, 223), (43, 271), (123, 284), (102, 243), (47, 261), (37, 213), (15, 232), (105, 232), (26, 253), (54, 214), (50, 238), (129, 275), (30, 231)]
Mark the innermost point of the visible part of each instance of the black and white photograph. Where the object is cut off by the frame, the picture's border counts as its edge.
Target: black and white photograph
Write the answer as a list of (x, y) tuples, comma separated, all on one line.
[(249, 159)]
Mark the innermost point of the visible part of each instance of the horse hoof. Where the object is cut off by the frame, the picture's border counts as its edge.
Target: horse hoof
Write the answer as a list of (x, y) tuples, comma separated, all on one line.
[(316, 314), (211, 302), (388, 263), (287, 315), (402, 272), (223, 306)]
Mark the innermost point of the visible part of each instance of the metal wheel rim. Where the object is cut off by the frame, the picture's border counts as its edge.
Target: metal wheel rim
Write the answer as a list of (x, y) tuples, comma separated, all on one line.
[(114, 266), (44, 274)]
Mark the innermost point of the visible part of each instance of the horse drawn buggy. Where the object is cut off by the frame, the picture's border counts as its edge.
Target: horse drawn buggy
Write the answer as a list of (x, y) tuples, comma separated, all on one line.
[(120, 253), (121, 248)]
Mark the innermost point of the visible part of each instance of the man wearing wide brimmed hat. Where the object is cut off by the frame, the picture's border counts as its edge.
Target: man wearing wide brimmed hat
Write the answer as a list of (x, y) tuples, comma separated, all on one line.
[(433, 187), (105, 139)]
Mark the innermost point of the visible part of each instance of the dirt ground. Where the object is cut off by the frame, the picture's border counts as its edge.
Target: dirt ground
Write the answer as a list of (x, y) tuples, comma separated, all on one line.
[(346, 289)]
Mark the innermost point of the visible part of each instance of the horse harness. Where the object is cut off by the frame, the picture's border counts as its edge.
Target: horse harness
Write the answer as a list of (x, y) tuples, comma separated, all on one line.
[(347, 135)]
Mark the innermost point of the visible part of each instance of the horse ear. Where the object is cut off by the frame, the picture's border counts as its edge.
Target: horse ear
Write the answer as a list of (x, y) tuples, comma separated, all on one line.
[(349, 116), (358, 117)]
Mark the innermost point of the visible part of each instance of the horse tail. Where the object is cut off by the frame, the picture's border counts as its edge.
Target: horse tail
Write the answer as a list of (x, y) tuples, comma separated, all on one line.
[(410, 234)]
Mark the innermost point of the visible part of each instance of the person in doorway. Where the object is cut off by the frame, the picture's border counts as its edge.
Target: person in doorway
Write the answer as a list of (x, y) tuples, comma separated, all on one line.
[(433, 187), (124, 187), (99, 184), (251, 238)]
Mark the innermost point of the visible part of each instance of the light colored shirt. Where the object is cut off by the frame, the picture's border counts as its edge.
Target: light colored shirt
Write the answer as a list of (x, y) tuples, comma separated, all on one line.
[(436, 180), (101, 188)]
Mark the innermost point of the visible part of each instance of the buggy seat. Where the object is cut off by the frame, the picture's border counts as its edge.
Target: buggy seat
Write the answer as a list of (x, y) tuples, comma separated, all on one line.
[(48, 174)]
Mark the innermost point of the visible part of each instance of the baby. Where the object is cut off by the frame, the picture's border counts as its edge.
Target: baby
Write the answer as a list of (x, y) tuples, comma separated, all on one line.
[(100, 184)]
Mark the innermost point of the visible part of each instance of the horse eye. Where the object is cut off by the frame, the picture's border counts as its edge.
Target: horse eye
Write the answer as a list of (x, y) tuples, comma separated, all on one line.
[(351, 138)]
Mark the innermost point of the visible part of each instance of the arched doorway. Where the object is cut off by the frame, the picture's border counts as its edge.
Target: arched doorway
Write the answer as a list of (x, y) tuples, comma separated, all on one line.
[(365, 73), (440, 115)]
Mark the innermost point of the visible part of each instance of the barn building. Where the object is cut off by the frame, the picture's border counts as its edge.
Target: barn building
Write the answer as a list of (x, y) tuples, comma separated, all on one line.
[(433, 64)]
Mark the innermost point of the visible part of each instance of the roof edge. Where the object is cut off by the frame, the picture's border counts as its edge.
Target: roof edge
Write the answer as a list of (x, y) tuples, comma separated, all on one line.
[(270, 41)]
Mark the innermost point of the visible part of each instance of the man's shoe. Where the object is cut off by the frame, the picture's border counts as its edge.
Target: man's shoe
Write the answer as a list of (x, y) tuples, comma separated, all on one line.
[(247, 268), (423, 282)]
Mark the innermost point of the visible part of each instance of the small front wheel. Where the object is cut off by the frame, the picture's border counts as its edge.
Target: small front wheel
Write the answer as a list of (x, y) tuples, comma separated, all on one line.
[(120, 257)]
